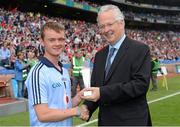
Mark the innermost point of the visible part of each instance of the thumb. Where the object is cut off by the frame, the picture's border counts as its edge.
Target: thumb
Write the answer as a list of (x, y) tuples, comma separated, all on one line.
[(89, 89)]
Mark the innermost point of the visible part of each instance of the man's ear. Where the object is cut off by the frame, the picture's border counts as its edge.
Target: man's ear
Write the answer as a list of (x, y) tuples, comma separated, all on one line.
[(122, 24)]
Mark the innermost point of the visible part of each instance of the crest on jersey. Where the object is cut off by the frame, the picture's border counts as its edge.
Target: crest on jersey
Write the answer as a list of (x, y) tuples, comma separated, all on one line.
[(64, 79)]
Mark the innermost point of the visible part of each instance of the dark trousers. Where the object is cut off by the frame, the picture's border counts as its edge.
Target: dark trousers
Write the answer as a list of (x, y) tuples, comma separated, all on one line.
[(77, 80), (154, 80), (5, 62)]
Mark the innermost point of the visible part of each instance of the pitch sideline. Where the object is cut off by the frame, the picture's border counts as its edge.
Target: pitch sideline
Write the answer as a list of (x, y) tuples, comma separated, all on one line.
[(159, 99)]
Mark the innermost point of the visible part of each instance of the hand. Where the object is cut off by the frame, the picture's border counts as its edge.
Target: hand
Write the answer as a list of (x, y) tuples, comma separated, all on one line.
[(27, 65), (95, 94), (76, 99), (84, 113)]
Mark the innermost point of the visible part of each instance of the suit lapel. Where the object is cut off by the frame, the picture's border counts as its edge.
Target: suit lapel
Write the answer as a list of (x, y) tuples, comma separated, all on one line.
[(102, 68), (121, 52)]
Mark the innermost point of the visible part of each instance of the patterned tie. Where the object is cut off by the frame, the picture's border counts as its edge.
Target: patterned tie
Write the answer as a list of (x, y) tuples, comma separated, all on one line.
[(108, 65)]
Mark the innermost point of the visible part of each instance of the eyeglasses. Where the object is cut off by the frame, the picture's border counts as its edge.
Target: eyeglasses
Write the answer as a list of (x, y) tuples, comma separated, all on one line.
[(102, 27)]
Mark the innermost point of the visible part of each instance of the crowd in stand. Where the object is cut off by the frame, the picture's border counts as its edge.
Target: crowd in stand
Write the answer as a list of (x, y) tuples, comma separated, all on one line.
[(156, 16), (165, 45), (142, 15), (86, 3), (20, 30)]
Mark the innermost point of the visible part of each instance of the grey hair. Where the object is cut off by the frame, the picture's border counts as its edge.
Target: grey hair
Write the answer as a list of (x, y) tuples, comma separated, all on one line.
[(118, 14)]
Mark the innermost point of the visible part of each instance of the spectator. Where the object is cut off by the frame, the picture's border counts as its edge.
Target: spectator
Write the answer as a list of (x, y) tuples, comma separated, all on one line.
[(5, 55), (20, 67)]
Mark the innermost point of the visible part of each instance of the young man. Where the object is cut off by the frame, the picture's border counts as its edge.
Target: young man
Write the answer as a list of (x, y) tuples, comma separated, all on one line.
[(48, 83), (121, 74)]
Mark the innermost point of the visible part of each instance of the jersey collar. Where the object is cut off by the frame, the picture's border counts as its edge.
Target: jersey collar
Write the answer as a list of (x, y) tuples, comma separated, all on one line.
[(48, 63)]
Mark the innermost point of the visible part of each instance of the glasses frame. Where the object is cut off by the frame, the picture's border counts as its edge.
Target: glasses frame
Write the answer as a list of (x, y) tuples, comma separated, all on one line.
[(102, 27)]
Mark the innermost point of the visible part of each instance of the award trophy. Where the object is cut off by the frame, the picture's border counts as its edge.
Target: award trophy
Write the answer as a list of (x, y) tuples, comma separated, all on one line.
[(86, 75)]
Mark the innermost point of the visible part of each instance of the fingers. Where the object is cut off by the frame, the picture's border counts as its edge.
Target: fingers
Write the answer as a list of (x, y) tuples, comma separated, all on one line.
[(85, 90), (94, 96), (76, 99), (90, 98), (84, 113), (89, 88), (78, 96)]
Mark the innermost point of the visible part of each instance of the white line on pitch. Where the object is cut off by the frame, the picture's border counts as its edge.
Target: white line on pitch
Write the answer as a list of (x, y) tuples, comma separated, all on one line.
[(159, 99), (165, 97)]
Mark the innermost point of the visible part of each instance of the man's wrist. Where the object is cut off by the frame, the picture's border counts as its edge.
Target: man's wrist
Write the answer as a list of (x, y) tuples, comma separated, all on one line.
[(78, 111), (77, 100)]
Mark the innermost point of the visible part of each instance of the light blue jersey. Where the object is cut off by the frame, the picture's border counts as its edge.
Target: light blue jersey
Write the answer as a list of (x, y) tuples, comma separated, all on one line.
[(46, 84)]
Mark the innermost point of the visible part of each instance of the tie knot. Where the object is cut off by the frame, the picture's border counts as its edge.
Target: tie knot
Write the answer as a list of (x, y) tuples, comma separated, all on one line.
[(111, 52)]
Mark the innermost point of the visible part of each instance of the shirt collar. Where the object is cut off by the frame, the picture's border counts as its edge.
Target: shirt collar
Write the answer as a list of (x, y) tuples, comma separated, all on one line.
[(48, 63), (118, 44)]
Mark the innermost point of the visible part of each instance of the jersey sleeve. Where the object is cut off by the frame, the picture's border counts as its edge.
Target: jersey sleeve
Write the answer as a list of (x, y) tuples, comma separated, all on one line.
[(37, 86)]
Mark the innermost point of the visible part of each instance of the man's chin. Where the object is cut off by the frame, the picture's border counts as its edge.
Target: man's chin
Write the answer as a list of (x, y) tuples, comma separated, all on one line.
[(56, 55), (110, 41)]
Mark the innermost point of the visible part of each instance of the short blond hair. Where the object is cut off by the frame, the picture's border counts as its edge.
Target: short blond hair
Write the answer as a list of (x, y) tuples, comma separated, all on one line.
[(52, 25)]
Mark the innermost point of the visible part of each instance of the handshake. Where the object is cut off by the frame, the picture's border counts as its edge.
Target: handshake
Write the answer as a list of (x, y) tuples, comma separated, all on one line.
[(82, 111)]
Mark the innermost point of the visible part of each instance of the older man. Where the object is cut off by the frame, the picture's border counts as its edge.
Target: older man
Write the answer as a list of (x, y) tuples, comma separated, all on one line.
[(121, 75)]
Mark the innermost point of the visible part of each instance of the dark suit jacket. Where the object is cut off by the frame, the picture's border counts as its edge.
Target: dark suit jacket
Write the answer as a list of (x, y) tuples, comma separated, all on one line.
[(123, 92)]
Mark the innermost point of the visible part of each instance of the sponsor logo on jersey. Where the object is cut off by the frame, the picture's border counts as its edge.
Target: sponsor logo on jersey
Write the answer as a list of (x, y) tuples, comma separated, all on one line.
[(55, 85)]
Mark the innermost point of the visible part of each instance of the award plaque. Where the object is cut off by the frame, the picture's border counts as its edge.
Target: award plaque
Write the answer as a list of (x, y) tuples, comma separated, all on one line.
[(86, 75)]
